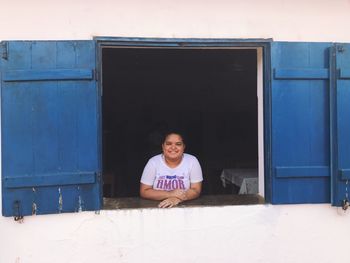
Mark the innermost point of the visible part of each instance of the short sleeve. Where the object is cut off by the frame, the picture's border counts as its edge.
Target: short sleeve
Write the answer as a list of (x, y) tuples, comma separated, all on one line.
[(196, 172), (149, 173)]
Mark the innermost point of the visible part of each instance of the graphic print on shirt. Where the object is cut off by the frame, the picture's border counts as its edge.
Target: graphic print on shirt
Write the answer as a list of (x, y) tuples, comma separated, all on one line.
[(162, 177), (170, 182)]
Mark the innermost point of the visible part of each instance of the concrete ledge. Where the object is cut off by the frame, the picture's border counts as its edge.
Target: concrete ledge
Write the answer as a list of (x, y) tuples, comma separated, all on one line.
[(206, 200)]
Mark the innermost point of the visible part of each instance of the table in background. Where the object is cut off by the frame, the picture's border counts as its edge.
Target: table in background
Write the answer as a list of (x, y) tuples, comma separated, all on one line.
[(245, 179)]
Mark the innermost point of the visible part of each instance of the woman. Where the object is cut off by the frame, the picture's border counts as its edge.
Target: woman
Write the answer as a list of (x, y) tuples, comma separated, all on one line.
[(171, 177)]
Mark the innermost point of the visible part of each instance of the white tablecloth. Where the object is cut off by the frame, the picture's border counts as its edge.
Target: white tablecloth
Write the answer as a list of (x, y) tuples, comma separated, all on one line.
[(245, 179)]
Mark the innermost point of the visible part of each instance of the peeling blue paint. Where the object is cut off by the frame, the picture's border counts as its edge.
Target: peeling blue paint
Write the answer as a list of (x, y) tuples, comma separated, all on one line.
[(60, 200)]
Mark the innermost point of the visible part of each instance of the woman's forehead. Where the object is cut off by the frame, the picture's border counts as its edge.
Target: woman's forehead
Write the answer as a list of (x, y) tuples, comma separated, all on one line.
[(173, 137)]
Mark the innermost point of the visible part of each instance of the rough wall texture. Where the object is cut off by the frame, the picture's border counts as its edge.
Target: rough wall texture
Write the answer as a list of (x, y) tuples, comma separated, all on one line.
[(313, 20), (257, 233)]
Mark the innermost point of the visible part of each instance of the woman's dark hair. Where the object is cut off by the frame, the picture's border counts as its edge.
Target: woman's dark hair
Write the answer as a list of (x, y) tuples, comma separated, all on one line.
[(166, 134)]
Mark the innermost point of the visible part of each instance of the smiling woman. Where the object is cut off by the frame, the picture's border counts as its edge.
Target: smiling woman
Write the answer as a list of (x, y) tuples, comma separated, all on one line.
[(173, 176)]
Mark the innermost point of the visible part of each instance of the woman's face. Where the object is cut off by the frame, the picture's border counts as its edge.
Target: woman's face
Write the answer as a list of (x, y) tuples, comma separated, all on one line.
[(173, 147)]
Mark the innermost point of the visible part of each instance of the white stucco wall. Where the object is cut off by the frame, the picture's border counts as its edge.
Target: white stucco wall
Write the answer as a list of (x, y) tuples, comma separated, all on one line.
[(258, 233), (298, 20)]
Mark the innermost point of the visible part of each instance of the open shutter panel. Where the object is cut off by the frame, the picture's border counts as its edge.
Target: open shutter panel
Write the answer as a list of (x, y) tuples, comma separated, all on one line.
[(50, 151), (340, 123), (300, 123)]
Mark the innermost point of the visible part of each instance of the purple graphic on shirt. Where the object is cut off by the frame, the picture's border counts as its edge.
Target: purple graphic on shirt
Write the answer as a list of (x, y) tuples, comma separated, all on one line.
[(169, 183)]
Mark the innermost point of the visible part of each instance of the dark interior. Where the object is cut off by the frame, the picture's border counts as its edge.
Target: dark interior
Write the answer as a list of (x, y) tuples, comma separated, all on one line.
[(208, 94)]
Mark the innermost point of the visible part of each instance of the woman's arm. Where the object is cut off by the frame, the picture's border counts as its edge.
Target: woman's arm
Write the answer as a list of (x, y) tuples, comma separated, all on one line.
[(182, 195), (147, 192), (170, 198), (194, 191), (196, 176)]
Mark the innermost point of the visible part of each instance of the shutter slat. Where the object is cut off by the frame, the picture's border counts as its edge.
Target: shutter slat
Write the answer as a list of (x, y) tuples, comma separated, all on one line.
[(43, 75), (306, 171), (344, 73), (303, 73), (50, 179)]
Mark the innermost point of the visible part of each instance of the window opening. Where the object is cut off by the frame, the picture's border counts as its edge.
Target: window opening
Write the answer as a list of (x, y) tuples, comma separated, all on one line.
[(210, 94)]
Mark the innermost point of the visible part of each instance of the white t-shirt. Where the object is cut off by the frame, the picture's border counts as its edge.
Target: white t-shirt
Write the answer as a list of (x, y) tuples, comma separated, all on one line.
[(162, 177)]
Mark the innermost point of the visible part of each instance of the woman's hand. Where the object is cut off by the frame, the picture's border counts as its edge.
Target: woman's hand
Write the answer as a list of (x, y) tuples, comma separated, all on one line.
[(178, 193), (169, 202)]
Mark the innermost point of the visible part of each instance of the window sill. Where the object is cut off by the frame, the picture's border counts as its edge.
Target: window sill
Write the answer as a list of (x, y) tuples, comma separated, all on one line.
[(203, 201)]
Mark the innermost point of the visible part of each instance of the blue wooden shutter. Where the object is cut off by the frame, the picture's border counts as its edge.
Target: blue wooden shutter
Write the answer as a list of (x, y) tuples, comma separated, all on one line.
[(50, 147), (300, 122), (340, 122)]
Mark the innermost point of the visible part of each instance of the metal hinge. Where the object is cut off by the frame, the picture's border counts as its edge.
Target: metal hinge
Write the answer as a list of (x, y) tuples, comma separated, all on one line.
[(17, 211), (99, 176), (4, 46), (340, 48), (96, 75), (97, 78)]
